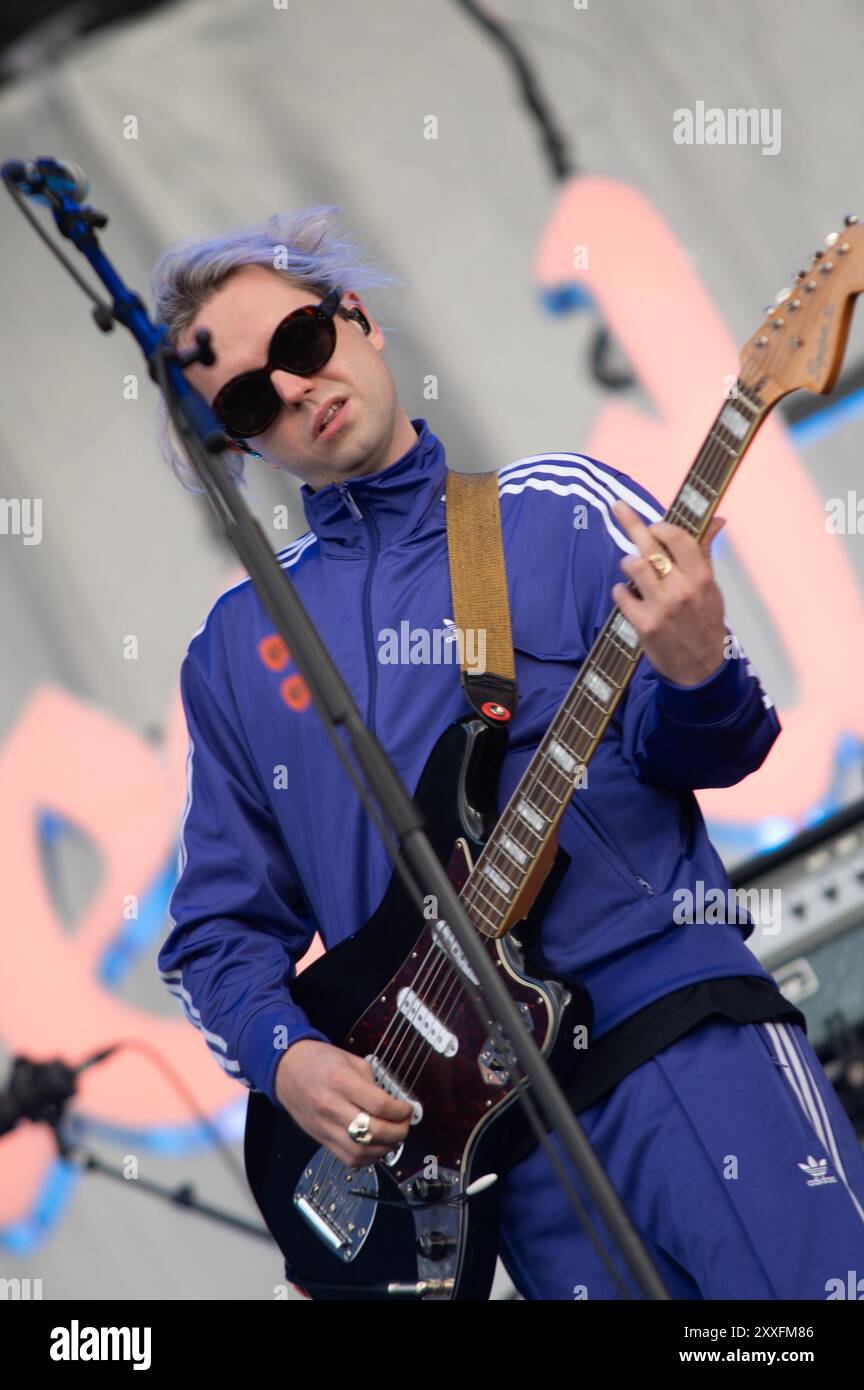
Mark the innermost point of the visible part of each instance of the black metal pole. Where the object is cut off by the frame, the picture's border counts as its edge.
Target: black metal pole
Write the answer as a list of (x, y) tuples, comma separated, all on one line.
[(203, 437)]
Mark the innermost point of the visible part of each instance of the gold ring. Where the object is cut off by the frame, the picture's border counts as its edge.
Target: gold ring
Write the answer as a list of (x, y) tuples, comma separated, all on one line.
[(661, 563)]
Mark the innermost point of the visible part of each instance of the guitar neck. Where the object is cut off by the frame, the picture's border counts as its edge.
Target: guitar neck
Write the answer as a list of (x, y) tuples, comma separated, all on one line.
[(511, 868)]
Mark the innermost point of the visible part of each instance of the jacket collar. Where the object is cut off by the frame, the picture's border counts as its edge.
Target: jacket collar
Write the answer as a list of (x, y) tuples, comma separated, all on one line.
[(397, 499)]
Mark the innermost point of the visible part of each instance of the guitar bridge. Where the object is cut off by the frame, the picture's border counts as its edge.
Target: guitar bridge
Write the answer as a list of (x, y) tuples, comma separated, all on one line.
[(326, 1198)]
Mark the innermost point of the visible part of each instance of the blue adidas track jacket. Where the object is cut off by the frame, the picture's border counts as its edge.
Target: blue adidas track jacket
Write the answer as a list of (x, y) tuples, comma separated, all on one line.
[(274, 842)]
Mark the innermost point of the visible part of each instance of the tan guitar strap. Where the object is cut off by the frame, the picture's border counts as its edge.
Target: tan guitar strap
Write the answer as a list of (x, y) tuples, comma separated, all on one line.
[(478, 583)]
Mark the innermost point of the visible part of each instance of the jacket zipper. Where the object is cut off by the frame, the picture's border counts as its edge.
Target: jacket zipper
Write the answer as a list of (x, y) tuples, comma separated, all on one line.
[(371, 662), (605, 839)]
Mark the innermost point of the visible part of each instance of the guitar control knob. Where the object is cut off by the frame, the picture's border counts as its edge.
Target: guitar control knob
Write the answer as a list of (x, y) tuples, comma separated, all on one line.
[(435, 1245)]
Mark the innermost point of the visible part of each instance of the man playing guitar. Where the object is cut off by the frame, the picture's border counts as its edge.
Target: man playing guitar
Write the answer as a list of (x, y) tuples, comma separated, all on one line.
[(700, 1092)]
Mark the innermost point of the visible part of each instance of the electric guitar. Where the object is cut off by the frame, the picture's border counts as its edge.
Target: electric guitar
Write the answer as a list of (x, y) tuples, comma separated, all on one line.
[(422, 1223)]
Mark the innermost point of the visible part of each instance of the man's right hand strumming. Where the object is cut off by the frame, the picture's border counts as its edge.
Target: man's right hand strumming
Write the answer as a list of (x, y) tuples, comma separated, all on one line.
[(324, 1089)]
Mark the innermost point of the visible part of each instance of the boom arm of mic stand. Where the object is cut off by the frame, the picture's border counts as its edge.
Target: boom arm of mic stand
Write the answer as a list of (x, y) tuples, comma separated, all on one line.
[(203, 437)]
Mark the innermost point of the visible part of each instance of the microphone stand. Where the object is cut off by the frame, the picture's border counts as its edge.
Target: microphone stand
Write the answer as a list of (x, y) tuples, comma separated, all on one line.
[(202, 437), (39, 1093)]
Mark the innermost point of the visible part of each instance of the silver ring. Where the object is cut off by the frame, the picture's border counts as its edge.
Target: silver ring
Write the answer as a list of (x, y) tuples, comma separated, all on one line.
[(359, 1128)]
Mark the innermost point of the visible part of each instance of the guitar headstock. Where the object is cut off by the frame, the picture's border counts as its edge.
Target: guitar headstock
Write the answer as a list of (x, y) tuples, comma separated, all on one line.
[(802, 341)]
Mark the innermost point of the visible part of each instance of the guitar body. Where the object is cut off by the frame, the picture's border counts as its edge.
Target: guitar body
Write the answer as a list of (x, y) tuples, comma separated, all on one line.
[(415, 1234)]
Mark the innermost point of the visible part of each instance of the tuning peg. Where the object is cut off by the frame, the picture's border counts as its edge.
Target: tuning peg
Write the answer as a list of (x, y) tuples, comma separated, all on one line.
[(850, 219), (831, 238), (783, 295), (817, 255)]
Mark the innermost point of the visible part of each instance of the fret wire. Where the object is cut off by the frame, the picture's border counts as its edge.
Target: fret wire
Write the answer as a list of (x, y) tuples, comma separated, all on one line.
[(530, 850), (565, 740), (577, 745), (498, 848), (493, 924), (592, 699), (518, 825), (537, 786), (568, 740), (711, 473), (684, 520), (591, 733), (548, 790), (624, 658), (724, 445), (478, 892), (695, 480), (713, 463), (618, 646), (501, 872), (718, 464), (494, 847), (719, 429), (591, 738), (547, 812), (691, 520), (583, 728), (597, 663)]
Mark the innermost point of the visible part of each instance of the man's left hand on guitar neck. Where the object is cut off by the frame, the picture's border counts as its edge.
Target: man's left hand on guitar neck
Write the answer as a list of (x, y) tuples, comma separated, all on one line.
[(679, 617)]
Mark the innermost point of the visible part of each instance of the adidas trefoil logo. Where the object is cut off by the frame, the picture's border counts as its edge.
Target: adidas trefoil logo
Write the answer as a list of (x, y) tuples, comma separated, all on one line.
[(817, 1169)]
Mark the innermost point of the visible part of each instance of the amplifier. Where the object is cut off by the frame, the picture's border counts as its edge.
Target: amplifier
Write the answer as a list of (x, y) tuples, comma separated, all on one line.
[(811, 938)]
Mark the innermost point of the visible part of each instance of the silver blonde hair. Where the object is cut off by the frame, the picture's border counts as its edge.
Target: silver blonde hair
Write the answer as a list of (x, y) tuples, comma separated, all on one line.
[(302, 247)]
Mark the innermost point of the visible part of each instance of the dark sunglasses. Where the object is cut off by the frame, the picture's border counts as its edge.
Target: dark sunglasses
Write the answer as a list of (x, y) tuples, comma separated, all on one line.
[(302, 343)]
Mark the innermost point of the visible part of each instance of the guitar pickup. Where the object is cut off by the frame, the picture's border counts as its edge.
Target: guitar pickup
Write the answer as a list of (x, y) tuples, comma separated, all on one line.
[(428, 1025), (388, 1082)]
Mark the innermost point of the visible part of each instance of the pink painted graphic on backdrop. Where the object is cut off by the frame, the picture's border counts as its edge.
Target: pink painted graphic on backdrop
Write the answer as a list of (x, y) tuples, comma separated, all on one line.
[(657, 309), (76, 761)]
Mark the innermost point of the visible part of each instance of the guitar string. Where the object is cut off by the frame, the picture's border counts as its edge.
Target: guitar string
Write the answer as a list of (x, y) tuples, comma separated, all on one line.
[(707, 471), (384, 1055), (673, 511), (703, 477), (712, 467), (702, 471), (409, 1081)]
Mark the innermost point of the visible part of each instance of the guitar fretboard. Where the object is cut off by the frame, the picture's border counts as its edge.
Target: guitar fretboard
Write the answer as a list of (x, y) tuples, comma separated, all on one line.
[(497, 893)]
